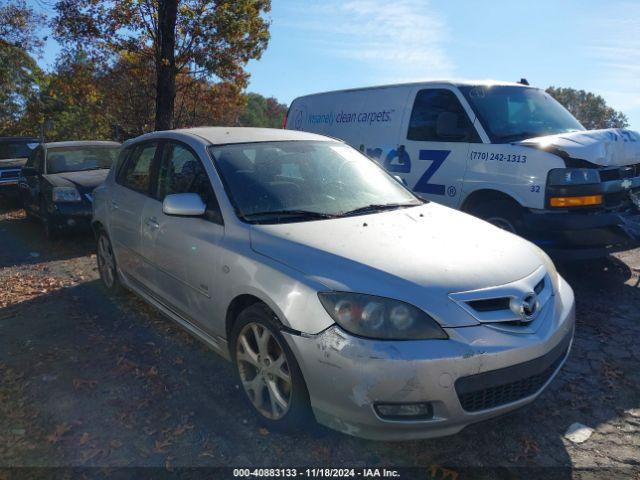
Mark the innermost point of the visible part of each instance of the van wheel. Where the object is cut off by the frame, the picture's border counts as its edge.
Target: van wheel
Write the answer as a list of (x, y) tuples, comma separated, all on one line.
[(107, 264), (268, 371), (507, 216)]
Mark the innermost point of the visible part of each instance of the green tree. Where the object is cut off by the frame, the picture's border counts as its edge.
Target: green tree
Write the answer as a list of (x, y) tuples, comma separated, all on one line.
[(19, 72), (72, 102), (590, 109), (200, 38), (262, 112)]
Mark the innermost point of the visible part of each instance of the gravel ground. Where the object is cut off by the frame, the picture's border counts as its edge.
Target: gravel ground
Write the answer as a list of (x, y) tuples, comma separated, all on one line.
[(87, 380)]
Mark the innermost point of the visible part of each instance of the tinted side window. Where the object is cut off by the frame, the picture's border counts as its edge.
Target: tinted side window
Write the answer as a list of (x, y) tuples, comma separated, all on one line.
[(136, 172), (182, 172), (438, 116), (122, 158)]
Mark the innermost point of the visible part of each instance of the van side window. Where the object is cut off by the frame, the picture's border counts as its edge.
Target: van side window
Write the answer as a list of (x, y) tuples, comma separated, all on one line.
[(438, 116), (136, 172)]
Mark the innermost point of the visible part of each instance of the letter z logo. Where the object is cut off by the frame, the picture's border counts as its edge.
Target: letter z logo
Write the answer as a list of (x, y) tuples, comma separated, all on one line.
[(437, 158)]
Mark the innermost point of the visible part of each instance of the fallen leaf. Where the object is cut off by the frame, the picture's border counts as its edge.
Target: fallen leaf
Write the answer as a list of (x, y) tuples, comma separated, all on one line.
[(84, 438), (58, 433), (161, 446)]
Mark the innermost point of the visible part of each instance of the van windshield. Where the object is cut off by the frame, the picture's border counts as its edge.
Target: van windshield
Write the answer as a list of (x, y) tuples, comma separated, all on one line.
[(513, 113), (294, 181)]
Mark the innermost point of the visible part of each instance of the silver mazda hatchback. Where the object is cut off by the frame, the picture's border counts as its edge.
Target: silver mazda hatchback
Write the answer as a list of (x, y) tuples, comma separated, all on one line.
[(337, 293)]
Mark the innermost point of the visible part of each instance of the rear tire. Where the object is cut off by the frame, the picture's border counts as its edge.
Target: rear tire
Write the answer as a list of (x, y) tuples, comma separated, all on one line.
[(107, 266), (268, 371)]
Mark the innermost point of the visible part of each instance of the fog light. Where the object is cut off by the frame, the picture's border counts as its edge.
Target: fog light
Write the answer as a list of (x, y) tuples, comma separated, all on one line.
[(404, 411), (575, 201)]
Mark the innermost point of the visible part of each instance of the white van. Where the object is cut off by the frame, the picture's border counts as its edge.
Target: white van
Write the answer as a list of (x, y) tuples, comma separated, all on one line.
[(505, 152)]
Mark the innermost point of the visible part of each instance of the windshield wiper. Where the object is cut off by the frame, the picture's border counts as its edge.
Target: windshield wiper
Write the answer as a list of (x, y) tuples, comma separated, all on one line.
[(378, 207), (304, 214)]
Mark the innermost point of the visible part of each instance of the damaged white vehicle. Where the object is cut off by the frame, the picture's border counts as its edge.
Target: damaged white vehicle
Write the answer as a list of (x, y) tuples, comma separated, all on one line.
[(338, 294), (505, 152)]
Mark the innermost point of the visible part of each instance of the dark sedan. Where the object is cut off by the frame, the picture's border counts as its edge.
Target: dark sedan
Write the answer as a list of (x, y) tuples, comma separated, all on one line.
[(57, 182)]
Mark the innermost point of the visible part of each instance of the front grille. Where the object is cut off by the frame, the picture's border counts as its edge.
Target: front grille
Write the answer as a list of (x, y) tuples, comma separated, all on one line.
[(506, 385), (628, 171), (10, 174), (490, 304), (500, 303)]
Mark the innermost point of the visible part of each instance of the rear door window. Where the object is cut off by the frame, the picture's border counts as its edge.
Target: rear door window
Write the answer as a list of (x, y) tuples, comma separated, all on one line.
[(137, 171)]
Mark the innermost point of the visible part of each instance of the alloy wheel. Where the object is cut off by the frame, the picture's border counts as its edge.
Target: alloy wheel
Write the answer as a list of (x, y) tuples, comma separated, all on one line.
[(264, 370)]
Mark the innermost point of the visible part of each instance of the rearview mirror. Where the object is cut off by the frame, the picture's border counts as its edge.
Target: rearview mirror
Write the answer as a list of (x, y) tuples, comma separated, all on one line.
[(447, 126), (184, 205), (29, 172)]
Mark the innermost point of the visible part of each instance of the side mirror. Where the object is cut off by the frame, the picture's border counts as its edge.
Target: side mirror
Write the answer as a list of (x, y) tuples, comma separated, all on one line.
[(184, 205), (29, 172), (447, 126)]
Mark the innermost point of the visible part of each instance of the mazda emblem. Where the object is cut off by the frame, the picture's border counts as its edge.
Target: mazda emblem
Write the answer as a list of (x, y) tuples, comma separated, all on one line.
[(527, 307)]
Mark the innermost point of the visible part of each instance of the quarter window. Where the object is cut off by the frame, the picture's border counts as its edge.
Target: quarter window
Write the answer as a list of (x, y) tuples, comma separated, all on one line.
[(438, 116), (136, 173)]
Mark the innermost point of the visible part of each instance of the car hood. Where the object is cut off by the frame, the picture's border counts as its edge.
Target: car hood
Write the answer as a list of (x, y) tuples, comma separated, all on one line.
[(84, 181), (608, 147), (418, 255)]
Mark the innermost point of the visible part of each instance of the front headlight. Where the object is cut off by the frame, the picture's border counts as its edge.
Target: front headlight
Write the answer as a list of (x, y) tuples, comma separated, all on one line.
[(573, 176), (65, 194), (379, 317)]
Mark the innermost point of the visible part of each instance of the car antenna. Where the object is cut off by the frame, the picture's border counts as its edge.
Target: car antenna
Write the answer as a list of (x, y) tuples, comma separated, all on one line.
[(523, 81)]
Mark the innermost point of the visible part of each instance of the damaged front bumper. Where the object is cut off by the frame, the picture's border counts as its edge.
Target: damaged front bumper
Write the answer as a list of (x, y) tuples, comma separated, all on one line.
[(480, 372)]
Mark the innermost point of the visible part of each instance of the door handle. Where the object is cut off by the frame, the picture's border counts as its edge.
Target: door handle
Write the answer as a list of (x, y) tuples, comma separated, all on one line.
[(114, 205), (152, 223)]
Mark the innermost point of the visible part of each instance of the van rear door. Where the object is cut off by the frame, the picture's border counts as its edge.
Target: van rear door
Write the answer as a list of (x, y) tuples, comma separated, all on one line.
[(434, 144)]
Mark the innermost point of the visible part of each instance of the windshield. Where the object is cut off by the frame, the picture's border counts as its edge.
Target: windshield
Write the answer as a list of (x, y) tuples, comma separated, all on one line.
[(511, 113), (74, 159), (272, 182), (17, 149)]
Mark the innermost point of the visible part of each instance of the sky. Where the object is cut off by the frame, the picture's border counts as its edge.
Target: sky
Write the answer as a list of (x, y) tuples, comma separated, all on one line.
[(320, 45)]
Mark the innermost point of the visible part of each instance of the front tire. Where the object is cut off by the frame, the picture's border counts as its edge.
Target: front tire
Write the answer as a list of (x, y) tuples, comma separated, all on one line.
[(107, 266), (268, 371), (505, 215)]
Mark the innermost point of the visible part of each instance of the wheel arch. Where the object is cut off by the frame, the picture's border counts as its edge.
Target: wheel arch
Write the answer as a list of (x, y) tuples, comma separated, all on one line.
[(240, 303), (487, 194)]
